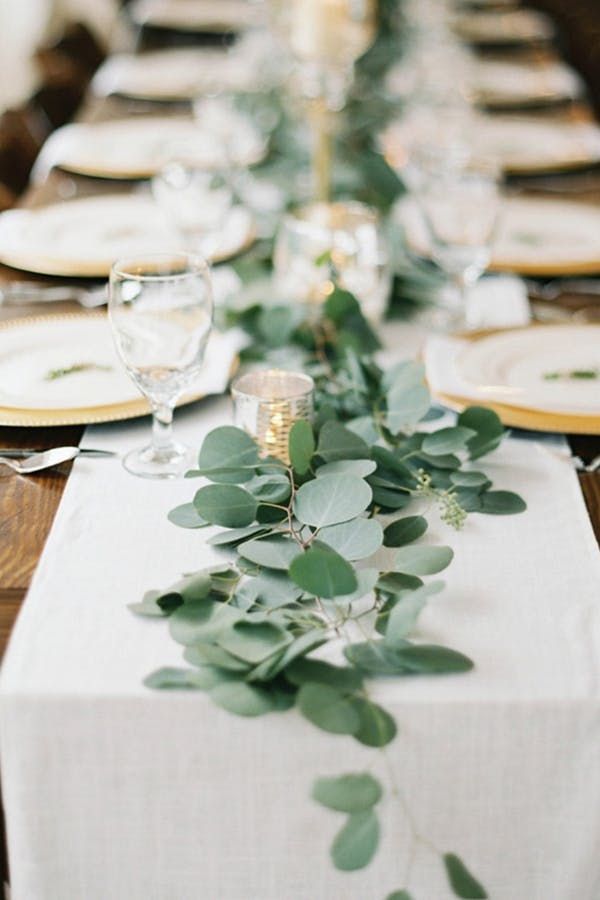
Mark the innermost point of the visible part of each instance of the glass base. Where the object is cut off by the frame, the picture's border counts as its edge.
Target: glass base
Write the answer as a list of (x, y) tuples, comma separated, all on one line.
[(167, 462)]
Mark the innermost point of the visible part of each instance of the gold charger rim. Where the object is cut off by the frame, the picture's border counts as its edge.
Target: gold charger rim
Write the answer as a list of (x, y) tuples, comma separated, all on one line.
[(81, 415), (518, 416)]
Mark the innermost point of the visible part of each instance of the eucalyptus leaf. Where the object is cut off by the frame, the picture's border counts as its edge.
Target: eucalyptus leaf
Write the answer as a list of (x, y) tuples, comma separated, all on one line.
[(301, 446), (398, 583), (323, 573), (201, 621), (207, 677), (404, 531), (375, 658), (253, 642), (429, 659), (328, 708), (501, 503), (303, 671), (186, 516), (272, 552), (407, 610), (423, 560), (225, 448), (377, 727), (170, 679), (470, 479), (348, 793), (408, 398), (359, 467), (272, 488), (236, 535), (355, 845), (226, 504), (339, 443), (461, 881), (399, 895), (331, 499), (447, 440), (243, 699), (353, 540), (488, 429), (205, 654)]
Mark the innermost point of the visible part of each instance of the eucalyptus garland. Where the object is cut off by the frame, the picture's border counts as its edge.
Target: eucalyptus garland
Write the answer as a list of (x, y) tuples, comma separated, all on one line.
[(325, 551)]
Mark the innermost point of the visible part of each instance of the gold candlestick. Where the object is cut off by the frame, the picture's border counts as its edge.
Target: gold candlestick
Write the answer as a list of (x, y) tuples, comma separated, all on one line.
[(268, 402)]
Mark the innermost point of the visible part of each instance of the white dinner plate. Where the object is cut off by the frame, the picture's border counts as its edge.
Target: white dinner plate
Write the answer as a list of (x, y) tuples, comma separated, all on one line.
[(534, 368), (524, 144), (83, 237), (139, 147), (222, 16), (180, 73), (519, 26), (539, 237), (35, 351), (506, 84)]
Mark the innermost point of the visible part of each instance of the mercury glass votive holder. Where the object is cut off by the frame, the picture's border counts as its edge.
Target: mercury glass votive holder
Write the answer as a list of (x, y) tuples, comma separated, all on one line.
[(324, 244), (267, 402)]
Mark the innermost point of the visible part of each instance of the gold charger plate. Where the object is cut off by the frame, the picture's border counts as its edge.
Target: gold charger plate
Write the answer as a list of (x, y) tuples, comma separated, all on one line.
[(520, 417), (82, 415)]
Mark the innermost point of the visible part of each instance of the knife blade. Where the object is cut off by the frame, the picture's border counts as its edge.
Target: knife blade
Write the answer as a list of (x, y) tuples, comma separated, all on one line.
[(12, 453)]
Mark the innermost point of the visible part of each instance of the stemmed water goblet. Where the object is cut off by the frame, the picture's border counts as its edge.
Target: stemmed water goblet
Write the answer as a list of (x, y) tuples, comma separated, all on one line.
[(160, 309), (460, 204)]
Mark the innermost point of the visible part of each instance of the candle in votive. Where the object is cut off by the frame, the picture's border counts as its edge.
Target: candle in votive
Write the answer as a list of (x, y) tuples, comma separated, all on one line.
[(268, 402)]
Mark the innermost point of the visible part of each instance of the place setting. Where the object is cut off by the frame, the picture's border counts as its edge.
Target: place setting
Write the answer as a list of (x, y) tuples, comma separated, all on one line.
[(299, 480)]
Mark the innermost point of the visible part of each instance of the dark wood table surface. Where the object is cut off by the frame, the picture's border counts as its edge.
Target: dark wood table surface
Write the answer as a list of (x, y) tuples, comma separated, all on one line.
[(28, 504)]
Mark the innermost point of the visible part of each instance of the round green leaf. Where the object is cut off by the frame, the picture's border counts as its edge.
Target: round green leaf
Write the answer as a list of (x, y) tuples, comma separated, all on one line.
[(404, 531), (328, 708), (186, 516), (429, 659), (170, 679), (501, 503), (447, 440), (272, 488), (423, 560), (375, 658), (235, 535), (254, 642), (469, 479), (302, 671), (323, 573), (488, 427), (337, 442), (353, 540), (404, 614), (359, 467), (355, 845), (301, 446), (377, 727), (243, 699), (201, 620), (226, 504), (399, 895), (461, 881), (273, 552), (228, 448), (347, 793), (331, 499)]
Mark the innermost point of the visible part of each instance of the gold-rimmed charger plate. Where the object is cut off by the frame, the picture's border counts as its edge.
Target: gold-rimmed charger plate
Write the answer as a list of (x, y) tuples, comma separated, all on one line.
[(21, 350), (519, 416), (81, 238)]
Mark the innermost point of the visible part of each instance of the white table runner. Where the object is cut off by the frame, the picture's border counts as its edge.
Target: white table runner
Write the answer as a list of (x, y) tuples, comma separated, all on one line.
[(114, 791)]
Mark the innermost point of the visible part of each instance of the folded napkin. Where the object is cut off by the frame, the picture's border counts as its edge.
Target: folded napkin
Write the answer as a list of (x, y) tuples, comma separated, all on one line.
[(498, 301)]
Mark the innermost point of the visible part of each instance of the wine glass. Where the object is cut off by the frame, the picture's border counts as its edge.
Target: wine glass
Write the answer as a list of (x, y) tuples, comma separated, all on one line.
[(160, 309), (460, 205), (197, 202)]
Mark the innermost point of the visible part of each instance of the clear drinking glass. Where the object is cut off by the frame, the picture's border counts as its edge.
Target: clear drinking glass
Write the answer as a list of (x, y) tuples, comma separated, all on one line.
[(160, 309), (197, 202), (460, 206), (324, 244)]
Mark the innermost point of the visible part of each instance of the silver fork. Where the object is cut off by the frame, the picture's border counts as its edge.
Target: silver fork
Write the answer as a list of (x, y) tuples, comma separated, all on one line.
[(21, 292), (40, 461)]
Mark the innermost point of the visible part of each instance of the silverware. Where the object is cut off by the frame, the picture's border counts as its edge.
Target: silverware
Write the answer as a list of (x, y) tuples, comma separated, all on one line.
[(39, 461), (22, 292), (11, 453)]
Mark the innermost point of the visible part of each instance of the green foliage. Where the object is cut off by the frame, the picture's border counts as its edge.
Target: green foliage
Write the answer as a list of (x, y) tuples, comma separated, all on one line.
[(323, 573), (348, 793), (461, 881), (186, 516), (355, 845), (226, 504), (301, 446)]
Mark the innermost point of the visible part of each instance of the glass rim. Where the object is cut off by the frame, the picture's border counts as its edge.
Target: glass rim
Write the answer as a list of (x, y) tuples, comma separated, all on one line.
[(238, 388), (122, 268)]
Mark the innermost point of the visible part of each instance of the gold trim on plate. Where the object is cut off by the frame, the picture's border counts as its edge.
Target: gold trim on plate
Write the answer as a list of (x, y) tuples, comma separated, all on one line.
[(81, 415)]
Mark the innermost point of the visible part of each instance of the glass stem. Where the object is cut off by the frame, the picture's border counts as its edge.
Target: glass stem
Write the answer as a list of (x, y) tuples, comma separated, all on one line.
[(162, 425)]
